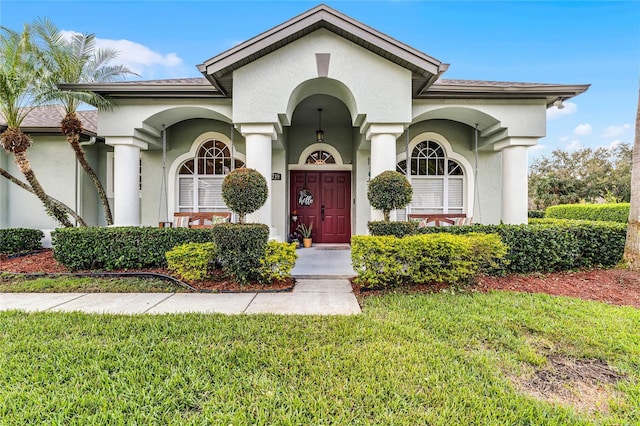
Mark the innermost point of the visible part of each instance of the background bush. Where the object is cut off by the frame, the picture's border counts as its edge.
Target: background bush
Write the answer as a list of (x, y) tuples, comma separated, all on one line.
[(192, 261), (20, 240), (120, 247), (240, 247), (439, 258), (614, 212)]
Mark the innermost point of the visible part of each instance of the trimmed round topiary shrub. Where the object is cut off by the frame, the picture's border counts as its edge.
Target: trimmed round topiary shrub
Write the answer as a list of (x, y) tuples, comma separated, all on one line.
[(388, 191), (244, 191)]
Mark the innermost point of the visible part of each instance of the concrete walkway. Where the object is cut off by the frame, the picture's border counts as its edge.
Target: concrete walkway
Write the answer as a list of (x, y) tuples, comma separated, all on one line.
[(322, 288)]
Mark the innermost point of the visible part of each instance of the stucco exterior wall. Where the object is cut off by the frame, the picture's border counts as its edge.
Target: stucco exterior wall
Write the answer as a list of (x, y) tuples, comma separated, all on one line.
[(131, 114), (53, 163), (381, 89)]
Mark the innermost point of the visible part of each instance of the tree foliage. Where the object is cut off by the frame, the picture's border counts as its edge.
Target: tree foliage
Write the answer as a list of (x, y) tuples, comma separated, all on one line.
[(20, 91), (76, 59), (244, 191), (388, 191), (585, 175)]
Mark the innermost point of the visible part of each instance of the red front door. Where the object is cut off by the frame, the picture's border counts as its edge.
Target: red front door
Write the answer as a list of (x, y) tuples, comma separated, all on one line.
[(326, 202)]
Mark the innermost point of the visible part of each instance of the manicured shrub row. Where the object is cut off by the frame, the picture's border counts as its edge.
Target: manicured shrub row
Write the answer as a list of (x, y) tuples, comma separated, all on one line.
[(389, 261), (197, 261), (20, 240), (120, 247), (192, 261), (240, 247), (615, 212), (552, 245), (535, 214), (396, 229)]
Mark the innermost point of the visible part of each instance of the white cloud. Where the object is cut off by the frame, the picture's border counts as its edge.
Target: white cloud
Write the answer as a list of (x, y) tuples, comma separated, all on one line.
[(574, 145), (141, 59), (565, 139), (615, 131), (583, 129), (554, 113)]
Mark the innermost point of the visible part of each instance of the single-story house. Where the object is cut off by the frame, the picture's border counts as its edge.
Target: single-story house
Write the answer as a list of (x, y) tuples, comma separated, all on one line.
[(318, 105)]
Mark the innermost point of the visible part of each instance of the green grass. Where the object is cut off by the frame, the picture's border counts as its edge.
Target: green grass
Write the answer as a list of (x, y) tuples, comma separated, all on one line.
[(16, 284), (408, 359)]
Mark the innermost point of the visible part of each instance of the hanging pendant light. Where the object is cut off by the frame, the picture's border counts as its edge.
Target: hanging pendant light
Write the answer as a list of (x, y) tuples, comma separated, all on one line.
[(319, 132)]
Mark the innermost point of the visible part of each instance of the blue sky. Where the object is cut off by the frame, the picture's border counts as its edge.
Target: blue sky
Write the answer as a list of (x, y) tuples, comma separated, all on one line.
[(592, 42)]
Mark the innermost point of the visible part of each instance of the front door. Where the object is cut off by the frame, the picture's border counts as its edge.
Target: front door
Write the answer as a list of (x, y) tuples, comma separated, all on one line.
[(323, 198)]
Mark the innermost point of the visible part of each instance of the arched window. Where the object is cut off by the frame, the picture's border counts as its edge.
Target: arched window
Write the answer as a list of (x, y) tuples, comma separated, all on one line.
[(320, 157), (200, 178), (438, 181)]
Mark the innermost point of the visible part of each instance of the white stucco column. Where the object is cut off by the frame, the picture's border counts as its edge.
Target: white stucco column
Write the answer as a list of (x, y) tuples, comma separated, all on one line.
[(258, 139), (126, 180), (515, 186), (383, 153)]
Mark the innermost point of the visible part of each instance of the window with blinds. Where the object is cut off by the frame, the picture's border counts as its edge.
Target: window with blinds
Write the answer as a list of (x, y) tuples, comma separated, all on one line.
[(200, 179), (438, 182)]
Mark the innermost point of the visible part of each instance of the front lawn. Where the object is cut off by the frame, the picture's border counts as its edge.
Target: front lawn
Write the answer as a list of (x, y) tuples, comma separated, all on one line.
[(439, 359), (10, 283)]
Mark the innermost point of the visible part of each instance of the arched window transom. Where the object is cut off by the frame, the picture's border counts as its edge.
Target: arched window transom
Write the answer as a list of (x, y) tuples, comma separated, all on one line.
[(320, 157)]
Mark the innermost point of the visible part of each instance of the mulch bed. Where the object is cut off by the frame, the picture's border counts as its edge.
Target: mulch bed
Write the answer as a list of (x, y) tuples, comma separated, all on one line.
[(614, 286), (44, 262)]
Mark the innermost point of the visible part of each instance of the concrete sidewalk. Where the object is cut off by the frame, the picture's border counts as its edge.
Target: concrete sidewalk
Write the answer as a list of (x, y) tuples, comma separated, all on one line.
[(328, 296)]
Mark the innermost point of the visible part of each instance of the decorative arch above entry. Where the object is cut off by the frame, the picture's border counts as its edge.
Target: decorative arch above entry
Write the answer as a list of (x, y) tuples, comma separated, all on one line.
[(319, 156)]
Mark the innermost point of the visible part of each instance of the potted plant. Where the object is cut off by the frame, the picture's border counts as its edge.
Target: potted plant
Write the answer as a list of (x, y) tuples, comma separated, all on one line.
[(305, 231)]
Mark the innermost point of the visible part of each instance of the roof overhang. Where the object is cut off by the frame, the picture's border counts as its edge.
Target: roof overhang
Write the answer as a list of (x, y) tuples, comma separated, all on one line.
[(470, 89), (219, 69), (178, 88)]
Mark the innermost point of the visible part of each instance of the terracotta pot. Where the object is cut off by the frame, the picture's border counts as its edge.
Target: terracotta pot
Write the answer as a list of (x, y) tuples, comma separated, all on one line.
[(306, 242)]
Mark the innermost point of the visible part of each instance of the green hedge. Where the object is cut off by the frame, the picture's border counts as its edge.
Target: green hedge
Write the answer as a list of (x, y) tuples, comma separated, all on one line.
[(240, 248), (396, 229), (615, 212), (439, 258), (535, 214), (553, 245), (120, 247), (20, 240)]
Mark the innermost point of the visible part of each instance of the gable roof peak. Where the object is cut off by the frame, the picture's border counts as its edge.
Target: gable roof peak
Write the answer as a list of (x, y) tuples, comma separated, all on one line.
[(219, 69)]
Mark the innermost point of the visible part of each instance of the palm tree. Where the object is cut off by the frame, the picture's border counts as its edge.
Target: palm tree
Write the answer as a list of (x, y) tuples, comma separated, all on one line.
[(19, 85), (632, 246), (77, 60)]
